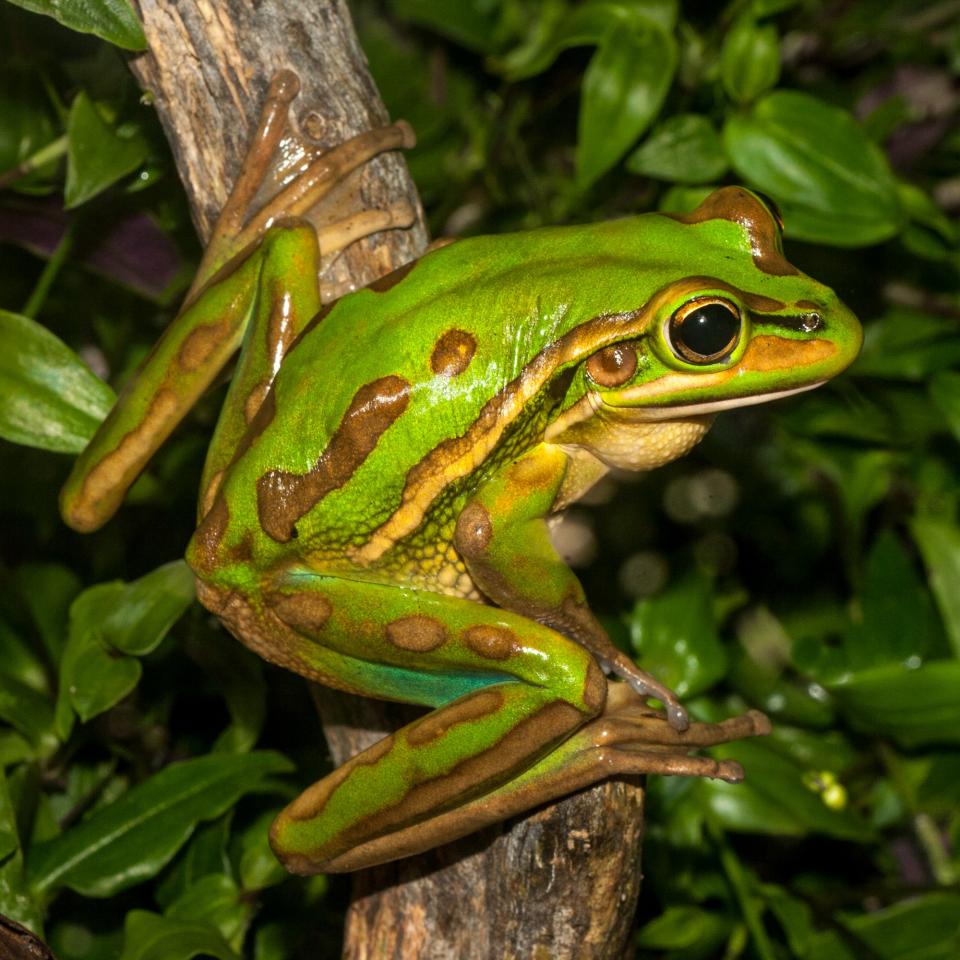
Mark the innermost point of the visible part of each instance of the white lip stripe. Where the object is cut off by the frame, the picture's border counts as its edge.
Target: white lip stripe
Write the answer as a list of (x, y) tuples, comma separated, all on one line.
[(715, 406)]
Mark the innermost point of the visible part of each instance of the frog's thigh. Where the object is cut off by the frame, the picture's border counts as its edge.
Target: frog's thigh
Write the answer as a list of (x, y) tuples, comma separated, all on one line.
[(510, 691)]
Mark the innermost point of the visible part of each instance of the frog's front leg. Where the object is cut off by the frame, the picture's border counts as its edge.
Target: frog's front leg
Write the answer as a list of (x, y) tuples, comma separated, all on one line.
[(503, 538), (228, 291)]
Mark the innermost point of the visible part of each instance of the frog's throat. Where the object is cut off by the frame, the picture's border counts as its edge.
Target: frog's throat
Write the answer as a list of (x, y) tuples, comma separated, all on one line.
[(618, 437)]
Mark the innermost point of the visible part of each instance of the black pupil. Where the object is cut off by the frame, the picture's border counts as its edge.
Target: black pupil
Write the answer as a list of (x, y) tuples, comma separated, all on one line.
[(709, 330)]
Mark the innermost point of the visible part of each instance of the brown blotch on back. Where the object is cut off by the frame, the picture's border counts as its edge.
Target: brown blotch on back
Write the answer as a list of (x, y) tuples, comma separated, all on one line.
[(417, 633), (474, 530), (741, 206), (491, 643), (452, 353), (474, 707), (808, 305), (205, 546), (306, 613), (242, 552), (284, 497)]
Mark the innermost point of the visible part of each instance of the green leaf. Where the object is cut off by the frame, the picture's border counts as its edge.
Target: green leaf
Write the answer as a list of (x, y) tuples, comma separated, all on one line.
[(16, 900), (471, 23), (623, 90), (557, 28), (921, 208), (773, 798), (139, 618), (683, 199), (749, 60), (898, 623), (48, 589), (923, 928), (944, 391), (133, 838), (685, 148), (676, 638), (27, 127), (112, 619), (684, 927), (205, 854), (215, 900), (92, 678), (51, 399), (794, 915), (29, 712), (939, 543), (832, 183), (259, 868), (111, 20), (906, 344), (20, 660), (98, 155), (915, 707), (148, 936)]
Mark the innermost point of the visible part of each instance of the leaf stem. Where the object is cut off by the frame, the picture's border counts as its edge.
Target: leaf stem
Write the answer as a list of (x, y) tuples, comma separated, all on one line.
[(739, 883), (931, 840), (52, 151), (39, 294)]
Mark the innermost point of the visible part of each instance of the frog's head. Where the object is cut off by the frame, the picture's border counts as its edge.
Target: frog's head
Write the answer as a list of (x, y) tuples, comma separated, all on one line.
[(745, 326)]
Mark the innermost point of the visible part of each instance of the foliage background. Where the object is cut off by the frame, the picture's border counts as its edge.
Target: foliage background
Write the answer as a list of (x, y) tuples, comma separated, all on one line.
[(804, 560)]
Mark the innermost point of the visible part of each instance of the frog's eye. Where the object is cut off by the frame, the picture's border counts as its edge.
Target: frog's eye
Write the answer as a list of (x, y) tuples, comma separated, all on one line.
[(705, 330), (613, 366)]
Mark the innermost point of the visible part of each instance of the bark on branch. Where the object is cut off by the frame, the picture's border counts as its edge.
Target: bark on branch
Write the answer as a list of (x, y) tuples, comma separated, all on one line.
[(562, 882)]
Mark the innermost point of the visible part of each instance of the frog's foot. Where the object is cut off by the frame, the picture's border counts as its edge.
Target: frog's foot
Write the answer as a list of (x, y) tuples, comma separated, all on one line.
[(335, 237), (246, 215), (645, 685), (630, 737), (302, 195)]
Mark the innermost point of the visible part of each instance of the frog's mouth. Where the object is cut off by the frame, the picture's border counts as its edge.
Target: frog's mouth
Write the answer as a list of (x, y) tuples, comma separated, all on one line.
[(624, 406), (630, 400)]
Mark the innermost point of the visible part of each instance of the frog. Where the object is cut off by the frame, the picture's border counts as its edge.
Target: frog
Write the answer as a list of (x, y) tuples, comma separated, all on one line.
[(376, 506)]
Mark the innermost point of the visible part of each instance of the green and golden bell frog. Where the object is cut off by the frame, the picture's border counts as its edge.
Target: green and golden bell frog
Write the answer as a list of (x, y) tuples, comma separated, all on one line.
[(374, 507)]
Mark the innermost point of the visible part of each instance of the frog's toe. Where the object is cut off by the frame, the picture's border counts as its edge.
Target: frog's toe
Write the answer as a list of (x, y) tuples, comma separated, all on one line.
[(647, 686)]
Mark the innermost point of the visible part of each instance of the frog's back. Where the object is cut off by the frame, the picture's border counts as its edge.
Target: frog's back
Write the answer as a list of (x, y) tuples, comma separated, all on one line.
[(397, 389)]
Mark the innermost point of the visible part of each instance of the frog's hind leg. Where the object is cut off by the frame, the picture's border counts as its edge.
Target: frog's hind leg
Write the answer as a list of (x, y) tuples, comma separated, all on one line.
[(519, 718), (505, 691), (623, 740)]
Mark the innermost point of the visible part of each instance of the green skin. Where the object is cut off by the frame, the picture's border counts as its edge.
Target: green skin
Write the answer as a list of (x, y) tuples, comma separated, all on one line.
[(375, 500)]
